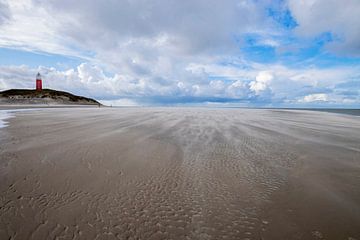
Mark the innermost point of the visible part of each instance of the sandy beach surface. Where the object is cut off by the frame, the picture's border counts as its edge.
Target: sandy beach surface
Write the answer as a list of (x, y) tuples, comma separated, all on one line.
[(179, 173)]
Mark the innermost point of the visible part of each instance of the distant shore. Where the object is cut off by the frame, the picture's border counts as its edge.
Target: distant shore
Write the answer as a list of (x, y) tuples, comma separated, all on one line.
[(32, 106), (349, 111), (43, 97)]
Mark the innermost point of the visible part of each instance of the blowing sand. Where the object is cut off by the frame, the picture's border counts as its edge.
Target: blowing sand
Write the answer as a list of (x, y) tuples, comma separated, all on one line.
[(162, 173)]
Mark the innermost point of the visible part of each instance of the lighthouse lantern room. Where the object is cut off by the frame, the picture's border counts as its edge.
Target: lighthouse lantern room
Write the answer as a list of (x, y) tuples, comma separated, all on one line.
[(38, 82)]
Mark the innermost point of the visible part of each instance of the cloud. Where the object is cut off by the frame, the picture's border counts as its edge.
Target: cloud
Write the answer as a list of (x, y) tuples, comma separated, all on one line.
[(188, 26), (147, 46), (105, 31), (318, 97), (30, 27), (338, 18), (174, 51), (262, 82), (256, 85), (4, 12), (123, 102)]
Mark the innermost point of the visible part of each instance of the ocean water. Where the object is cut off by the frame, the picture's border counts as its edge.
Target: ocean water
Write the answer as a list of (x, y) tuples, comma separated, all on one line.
[(355, 112)]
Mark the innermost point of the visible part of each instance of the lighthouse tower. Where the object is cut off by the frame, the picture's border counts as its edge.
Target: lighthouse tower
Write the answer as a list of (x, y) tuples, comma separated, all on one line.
[(38, 82)]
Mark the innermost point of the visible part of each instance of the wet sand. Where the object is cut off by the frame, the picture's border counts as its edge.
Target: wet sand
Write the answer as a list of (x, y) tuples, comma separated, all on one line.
[(180, 173)]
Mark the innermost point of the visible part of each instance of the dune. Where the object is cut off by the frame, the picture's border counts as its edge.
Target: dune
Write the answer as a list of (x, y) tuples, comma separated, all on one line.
[(179, 173), (44, 97)]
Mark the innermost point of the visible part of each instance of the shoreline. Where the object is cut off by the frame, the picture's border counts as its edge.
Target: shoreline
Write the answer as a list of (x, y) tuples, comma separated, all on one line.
[(345, 111)]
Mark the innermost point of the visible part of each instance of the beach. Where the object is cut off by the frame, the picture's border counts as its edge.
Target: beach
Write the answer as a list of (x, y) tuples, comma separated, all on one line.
[(179, 173)]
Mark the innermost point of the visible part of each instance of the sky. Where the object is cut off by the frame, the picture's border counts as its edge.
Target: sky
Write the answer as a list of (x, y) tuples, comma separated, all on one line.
[(235, 53)]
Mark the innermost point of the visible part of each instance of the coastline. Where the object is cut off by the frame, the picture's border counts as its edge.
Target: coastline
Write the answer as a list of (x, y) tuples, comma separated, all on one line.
[(40, 106)]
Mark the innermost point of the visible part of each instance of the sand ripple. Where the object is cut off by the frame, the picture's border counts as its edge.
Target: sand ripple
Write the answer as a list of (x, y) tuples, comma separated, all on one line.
[(179, 174)]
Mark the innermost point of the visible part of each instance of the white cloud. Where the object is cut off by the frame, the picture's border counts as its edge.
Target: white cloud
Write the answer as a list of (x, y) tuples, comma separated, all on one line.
[(317, 97), (262, 82), (286, 84), (147, 42), (32, 28), (337, 17), (123, 102), (169, 48)]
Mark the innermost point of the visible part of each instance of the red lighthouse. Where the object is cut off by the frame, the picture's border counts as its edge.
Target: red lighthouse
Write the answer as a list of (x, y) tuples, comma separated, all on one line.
[(38, 82)]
